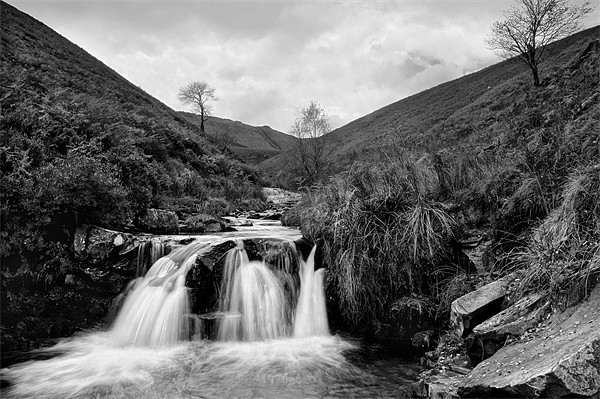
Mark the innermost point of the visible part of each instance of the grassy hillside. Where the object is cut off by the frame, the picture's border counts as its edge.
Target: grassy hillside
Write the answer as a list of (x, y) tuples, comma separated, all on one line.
[(80, 144), (517, 165), (467, 112), (251, 144)]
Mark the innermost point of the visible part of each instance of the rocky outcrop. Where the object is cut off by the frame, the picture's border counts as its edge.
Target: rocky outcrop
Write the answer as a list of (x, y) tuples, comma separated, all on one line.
[(440, 385), (471, 309), (97, 245), (158, 221), (511, 323), (560, 359)]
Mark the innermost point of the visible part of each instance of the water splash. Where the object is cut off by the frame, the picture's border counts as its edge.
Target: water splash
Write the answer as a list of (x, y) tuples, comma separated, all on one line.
[(311, 314)]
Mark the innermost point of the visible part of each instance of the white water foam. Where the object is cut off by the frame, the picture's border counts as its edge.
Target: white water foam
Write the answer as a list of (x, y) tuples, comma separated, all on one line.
[(88, 363)]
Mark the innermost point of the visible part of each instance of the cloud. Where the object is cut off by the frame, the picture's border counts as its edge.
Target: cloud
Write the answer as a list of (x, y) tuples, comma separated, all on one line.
[(267, 58)]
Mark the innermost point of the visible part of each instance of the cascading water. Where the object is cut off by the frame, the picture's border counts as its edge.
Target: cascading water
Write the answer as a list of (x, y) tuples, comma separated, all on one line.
[(148, 253), (155, 312), (311, 314), (253, 300), (274, 334)]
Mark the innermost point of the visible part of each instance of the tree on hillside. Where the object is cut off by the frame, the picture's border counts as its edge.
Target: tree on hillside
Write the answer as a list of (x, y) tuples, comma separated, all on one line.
[(311, 150), (531, 25), (198, 95)]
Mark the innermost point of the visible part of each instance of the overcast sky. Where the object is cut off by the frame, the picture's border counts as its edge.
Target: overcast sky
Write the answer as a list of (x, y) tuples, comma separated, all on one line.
[(267, 58)]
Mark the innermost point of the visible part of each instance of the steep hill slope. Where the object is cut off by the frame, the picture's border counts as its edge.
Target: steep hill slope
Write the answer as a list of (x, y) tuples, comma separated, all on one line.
[(464, 112), (81, 144), (252, 144)]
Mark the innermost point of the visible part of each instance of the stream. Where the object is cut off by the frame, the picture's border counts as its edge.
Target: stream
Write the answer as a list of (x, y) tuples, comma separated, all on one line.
[(273, 341)]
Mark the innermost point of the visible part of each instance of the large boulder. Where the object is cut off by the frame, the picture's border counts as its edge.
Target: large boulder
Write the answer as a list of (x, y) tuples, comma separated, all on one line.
[(562, 359), (96, 245), (158, 221), (203, 223), (471, 309)]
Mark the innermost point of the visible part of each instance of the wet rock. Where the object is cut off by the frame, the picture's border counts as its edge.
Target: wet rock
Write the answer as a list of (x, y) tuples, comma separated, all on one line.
[(158, 221), (271, 216), (96, 244), (238, 222), (442, 384), (560, 359), (204, 279), (203, 223), (471, 309), (512, 322)]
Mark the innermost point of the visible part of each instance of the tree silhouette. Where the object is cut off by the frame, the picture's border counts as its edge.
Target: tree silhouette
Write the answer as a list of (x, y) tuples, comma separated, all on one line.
[(198, 95), (311, 150), (530, 25)]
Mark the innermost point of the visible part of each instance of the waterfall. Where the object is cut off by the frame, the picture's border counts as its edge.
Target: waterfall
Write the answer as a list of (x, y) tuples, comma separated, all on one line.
[(148, 253), (311, 314), (155, 312), (252, 300), (258, 299)]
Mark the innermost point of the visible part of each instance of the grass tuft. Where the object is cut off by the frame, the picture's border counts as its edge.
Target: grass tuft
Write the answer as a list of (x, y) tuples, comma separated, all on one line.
[(383, 235), (563, 252)]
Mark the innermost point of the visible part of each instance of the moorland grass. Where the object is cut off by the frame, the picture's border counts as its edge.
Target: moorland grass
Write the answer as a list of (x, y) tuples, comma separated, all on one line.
[(383, 236)]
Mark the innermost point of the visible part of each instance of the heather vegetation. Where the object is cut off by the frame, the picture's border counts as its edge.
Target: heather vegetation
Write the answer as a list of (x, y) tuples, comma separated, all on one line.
[(81, 145)]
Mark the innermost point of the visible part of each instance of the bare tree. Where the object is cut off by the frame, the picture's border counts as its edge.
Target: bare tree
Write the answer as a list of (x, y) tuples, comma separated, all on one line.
[(311, 150), (198, 95), (531, 25)]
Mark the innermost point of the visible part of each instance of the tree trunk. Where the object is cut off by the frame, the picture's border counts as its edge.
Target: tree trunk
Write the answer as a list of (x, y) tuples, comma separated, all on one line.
[(202, 122), (536, 77)]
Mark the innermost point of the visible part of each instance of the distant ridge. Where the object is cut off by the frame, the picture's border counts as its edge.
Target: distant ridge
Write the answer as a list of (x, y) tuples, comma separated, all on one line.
[(252, 144)]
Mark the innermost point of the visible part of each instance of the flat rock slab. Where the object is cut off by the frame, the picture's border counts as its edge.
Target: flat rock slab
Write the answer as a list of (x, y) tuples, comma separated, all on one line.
[(512, 322), (479, 305), (563, 359)]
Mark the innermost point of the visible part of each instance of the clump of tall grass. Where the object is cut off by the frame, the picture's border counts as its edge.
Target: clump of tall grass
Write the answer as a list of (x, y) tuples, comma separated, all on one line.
[(382, 235), (562, 255)]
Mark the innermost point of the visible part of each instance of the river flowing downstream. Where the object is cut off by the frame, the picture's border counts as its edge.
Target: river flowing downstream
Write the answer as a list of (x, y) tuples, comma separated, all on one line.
[(273, 338)]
